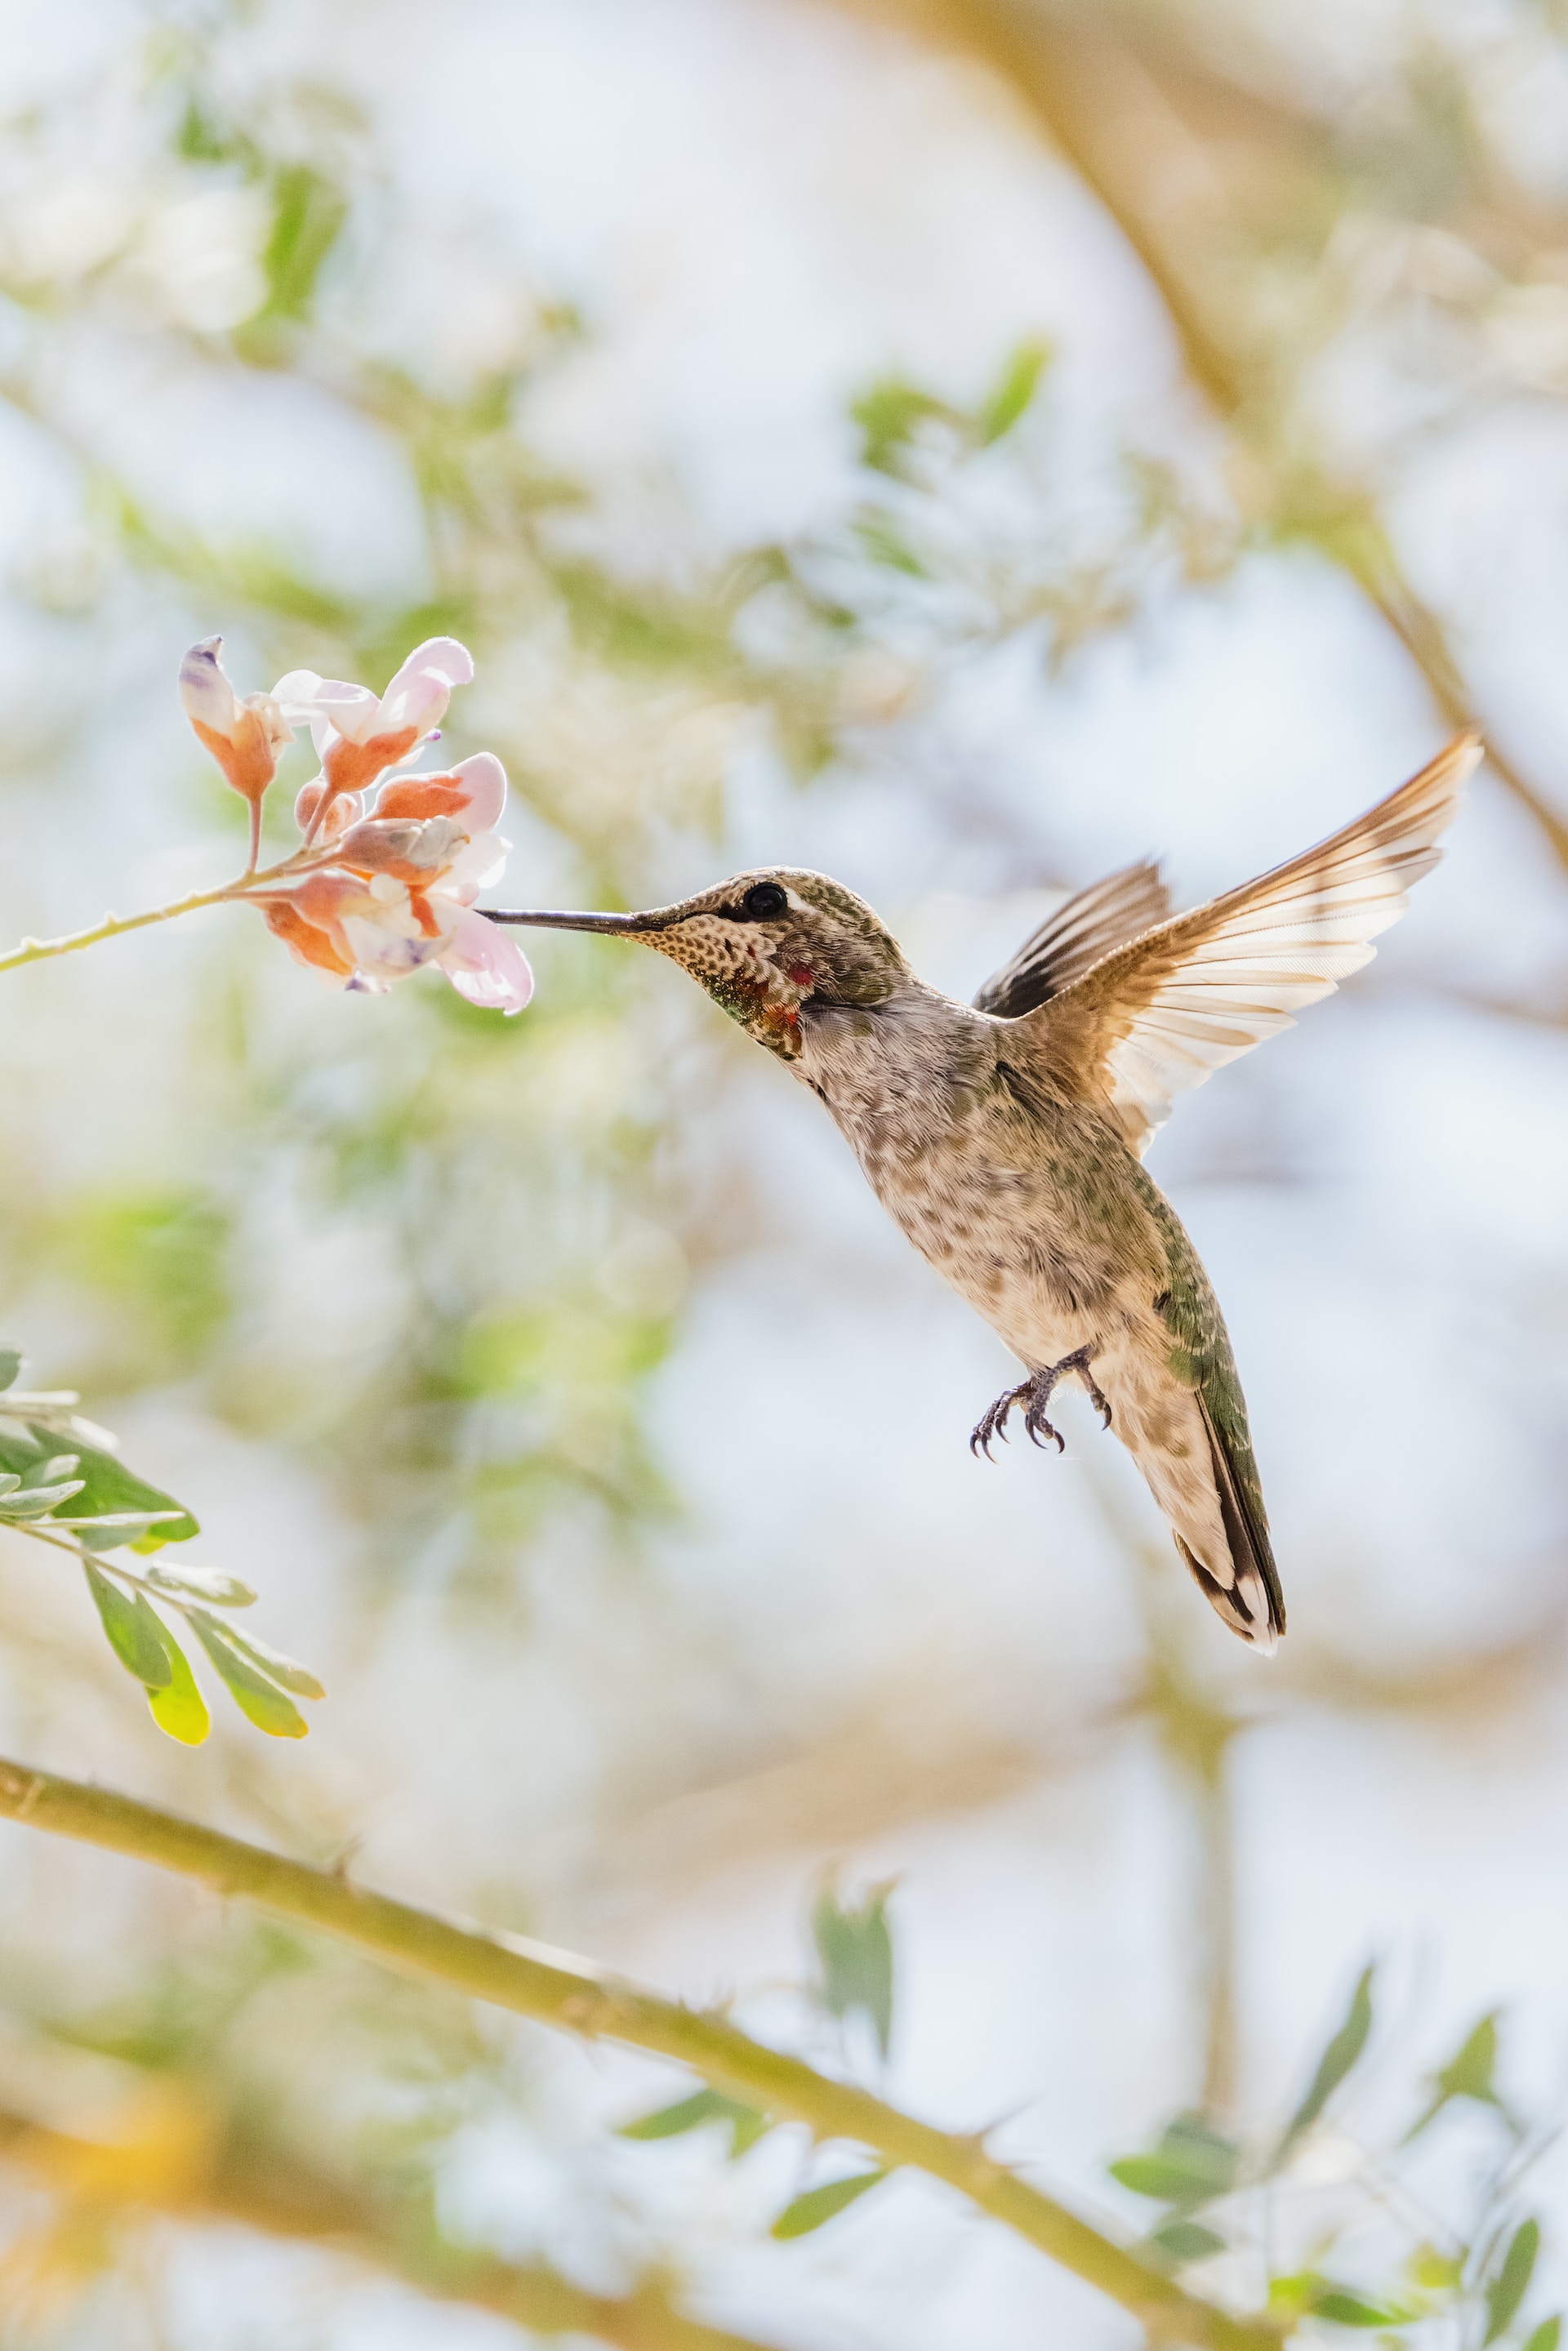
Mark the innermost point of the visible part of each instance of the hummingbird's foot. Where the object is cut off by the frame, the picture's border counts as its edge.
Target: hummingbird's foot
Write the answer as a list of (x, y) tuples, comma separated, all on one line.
[(993, 1422), (1079, 1362), (1035, 1395)]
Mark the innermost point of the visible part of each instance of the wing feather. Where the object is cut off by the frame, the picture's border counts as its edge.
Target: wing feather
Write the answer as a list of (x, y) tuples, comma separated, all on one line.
[(1161, 1012), (1075, 939)]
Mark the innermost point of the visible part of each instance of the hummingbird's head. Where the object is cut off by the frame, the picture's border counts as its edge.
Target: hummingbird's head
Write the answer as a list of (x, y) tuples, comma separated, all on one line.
[(764, 944)]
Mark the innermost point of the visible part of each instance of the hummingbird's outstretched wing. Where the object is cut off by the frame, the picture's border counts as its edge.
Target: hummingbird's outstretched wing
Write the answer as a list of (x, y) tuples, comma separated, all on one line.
[(1072, 940), (1163, 1011)]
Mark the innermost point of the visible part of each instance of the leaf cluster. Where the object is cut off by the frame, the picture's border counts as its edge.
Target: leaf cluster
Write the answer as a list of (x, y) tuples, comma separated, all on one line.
[(1479, 2280), (87, 1502)]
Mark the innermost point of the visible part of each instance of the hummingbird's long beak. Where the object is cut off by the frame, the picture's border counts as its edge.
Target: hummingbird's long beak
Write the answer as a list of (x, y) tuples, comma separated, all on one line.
[(617, 926)]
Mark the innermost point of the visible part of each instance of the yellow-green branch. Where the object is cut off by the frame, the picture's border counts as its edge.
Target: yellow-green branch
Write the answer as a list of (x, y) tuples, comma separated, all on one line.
[(235, 2183), (113, 927), (577, 1997)]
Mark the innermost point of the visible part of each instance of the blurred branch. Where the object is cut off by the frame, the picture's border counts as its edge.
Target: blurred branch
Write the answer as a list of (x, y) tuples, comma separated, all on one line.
[(1198, 1735), (1113, 113), (575, 1997), (288, 2199)]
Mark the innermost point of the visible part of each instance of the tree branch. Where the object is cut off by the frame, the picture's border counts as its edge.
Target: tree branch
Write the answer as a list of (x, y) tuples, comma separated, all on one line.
[(249, 890), (577, 1997), (286, 2200)]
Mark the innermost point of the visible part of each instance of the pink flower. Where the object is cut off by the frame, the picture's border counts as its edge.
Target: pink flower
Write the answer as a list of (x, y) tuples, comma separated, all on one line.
[(326, 822), (486, 965), (398, 890), (358, 735), (475, 790), (243, 738)]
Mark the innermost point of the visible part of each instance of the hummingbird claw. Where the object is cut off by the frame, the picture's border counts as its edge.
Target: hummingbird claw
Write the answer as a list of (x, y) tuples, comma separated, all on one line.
[(1043, 1431), (1035, 1394), (994, 1421)]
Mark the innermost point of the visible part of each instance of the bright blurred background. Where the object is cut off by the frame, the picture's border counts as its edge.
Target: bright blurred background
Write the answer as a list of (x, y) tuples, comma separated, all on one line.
[(961, 447)]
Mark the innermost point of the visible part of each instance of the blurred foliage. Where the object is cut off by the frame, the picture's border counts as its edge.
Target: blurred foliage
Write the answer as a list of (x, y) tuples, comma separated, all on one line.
[(501, 1226), (854, 1945)]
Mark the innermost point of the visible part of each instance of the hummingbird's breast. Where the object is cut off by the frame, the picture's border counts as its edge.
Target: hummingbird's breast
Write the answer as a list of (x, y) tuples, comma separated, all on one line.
[(1029, 1205)]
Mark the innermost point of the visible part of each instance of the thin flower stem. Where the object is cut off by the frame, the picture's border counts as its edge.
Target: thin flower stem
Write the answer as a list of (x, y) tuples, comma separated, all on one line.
[(249, 884), (113, 927), (253, 859), (575, 1996)]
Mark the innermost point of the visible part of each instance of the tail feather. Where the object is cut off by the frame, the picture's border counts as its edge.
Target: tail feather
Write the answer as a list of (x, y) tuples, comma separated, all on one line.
[(1253, 1605)]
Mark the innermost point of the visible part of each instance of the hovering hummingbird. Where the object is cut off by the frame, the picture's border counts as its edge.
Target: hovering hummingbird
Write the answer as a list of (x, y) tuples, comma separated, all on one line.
[(1006, 1137)]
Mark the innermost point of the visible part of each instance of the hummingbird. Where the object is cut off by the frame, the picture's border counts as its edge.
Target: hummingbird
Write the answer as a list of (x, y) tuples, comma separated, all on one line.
[(1006, 1137)]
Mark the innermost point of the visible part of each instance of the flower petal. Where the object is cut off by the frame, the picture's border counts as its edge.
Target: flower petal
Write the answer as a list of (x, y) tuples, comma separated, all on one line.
[(352, 764), (421, 796), (404, 846), (486, 965), (419, 694), (342, 813), (483, 781), (384, 948), (304, 943), (205, 691), (450, 662), (416, 699), (479, 864), (273, 723), (352, 710)]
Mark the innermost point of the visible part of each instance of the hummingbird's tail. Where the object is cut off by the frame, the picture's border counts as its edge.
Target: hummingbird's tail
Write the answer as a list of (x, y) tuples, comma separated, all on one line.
[(1253, 1605)]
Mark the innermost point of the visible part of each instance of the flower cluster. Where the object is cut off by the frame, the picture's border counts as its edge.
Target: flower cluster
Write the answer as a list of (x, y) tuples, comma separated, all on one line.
[(388, 865)]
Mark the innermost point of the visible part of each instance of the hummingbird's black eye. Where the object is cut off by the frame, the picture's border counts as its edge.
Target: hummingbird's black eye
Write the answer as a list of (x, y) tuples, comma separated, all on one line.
[(762, 900)]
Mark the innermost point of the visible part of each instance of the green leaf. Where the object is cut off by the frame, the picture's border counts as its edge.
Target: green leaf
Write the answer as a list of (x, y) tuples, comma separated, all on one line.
[(273, 1663), (1192, 2163), (1335, 2063), (889, 414), (1012, 392), (202, 1584), (819, 2204), (885, 544), (107, 1486), (1511, 2282), (308, 214), (1349, 2310), (1290, 2297), (1186, 2241), (1546, 2336), (259, 1699), (1309, 2293), (137, 1634), (37, 1502), (1434, 2272), (854, 1945), (181, 1710), (10, 1365), (124, 1518), (1468, 2074), (746, 2123), (1150, 2174), (747, 2128)]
